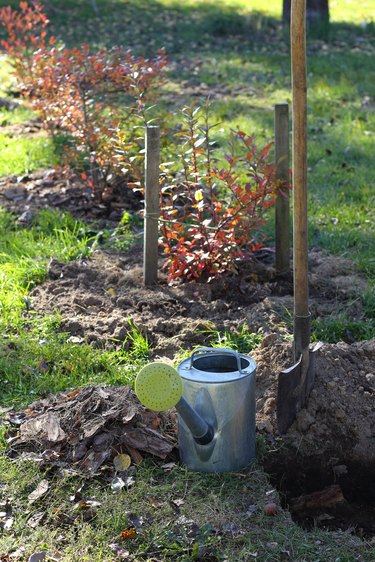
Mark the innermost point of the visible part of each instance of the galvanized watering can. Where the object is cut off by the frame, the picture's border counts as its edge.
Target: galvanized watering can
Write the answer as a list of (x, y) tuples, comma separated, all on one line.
[(214, 394)]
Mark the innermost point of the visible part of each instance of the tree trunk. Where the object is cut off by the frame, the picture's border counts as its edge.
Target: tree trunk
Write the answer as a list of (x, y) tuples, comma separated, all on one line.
[(317, 13)]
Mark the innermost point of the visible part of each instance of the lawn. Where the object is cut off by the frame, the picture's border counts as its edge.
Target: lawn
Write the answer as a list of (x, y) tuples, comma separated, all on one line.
[(236, 53)]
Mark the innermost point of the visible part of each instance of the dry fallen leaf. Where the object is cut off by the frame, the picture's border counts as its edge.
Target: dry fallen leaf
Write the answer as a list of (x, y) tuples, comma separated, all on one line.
[(155, 423), (69, 367), (119, 551), (168, 466), (135, 455), (154, 502), (36, 519), (178, 502), (73, 393), (75, 339), (122, 462), (6, 521), (128, 534), (88, 504), (117, 484), (39, 491)]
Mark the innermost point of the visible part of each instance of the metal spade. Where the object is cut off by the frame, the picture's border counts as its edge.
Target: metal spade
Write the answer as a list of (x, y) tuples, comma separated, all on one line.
[(295, 383)]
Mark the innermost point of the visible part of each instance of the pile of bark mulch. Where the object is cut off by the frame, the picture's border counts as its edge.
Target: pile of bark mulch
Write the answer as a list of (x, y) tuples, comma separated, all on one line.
[(88, 427), (28, 194)]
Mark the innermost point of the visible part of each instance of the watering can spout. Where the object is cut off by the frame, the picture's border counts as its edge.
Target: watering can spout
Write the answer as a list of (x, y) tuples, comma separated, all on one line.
[(159, 387), (201, 431)]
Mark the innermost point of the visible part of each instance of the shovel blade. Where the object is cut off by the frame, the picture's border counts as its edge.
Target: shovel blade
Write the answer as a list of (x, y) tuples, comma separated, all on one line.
[(292, 393)]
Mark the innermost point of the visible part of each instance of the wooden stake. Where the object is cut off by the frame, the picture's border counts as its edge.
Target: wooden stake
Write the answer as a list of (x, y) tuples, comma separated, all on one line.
[(299, 89), (152, 206), (282, 215)]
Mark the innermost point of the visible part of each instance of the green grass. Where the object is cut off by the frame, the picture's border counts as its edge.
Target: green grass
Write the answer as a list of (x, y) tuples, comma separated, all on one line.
[(36, 357), (38, 361), (24, 254), (226, 522), (21, 155), (341, 328), (240, 340)]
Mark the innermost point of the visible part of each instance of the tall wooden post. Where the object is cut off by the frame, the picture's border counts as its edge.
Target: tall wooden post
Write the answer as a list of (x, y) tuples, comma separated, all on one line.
[(299, 90), (152, 206), (282, 216)]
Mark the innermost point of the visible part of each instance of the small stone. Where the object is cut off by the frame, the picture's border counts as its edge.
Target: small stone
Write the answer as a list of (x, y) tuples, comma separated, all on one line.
[(270, 509), (269, 406), (340, 415), (25, 219), (265, 425), (268, 340), (360, 389), (304, 420)]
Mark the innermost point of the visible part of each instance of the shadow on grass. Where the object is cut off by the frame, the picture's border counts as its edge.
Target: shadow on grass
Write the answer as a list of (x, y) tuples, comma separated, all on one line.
[(149, 24)]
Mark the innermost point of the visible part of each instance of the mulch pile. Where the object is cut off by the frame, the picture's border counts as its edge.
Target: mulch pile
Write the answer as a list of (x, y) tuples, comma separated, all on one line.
[(88, 427)]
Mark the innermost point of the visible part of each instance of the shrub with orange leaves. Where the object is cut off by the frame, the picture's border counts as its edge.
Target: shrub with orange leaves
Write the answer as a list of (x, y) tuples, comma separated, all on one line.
[(212, 214), (26, 34), (96, 98)]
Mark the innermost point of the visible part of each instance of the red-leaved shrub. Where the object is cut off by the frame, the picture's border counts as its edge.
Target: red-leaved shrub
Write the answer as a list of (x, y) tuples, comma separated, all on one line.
[(96, 98), (212, 213)]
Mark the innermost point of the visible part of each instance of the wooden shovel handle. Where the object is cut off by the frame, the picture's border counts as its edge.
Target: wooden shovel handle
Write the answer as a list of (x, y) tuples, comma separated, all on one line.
[(299, 109)]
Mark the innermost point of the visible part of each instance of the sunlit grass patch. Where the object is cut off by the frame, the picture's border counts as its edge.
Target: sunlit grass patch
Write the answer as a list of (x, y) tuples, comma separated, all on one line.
[(241, 340), (17, 115), (25, 154), (40, 360), (25, 251), (35, 356), (341, 328)]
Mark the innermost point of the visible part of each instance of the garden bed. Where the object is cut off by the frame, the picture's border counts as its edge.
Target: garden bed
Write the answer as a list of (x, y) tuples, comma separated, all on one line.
[(332, 442)]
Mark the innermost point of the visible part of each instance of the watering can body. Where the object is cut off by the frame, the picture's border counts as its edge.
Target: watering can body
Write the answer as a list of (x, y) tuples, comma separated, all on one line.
[(219, 384)]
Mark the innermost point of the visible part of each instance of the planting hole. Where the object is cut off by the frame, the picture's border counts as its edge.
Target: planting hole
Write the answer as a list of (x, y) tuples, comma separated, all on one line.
[(329, 494)]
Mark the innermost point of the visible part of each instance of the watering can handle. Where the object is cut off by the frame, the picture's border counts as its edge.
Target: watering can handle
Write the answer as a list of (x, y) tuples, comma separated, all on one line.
[(222, 350)]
